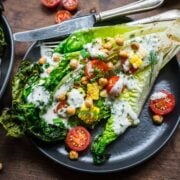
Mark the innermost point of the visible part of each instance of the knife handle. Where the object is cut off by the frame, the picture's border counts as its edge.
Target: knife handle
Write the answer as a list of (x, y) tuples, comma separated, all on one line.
[(135, 7), (166, 16)]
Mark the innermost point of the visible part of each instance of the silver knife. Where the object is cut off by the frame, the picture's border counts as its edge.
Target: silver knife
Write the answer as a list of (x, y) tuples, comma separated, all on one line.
[(69, 26)]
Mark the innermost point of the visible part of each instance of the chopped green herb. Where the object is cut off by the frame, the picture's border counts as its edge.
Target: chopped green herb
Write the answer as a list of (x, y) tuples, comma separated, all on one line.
[(85, 54), (153, 61)]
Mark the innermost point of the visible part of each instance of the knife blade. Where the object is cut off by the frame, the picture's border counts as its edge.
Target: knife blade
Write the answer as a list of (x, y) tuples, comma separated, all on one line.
[(69, 26), (53, 31)]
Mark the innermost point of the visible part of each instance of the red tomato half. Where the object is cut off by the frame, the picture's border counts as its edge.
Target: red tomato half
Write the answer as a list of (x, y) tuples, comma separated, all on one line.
[(70, 5), (93, 65), (50, 3), (111, 82), (163, 106), (78, 138), (62, 15)]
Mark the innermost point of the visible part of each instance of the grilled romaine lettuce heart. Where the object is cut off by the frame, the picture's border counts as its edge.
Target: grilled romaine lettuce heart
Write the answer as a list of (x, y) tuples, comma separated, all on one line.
[(102, 73)]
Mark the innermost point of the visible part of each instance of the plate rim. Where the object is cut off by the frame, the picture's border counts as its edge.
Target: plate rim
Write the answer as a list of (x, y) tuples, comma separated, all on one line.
[(9, 69), (111, 170)]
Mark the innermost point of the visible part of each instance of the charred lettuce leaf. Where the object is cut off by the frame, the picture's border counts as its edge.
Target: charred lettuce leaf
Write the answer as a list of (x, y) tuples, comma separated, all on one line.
[(12, 124), (23, 117), (14, 119), (28, 73)]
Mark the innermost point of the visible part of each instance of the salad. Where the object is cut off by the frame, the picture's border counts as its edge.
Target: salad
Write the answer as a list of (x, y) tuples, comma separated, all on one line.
[(96, 75)]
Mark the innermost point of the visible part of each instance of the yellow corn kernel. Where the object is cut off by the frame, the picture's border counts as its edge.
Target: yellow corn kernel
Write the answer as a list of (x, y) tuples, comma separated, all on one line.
[(89, 115), (93, 91), (136, 61)]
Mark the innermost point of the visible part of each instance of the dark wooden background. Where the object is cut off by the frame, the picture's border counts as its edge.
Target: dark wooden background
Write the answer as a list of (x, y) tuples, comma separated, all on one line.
[(21, 160)]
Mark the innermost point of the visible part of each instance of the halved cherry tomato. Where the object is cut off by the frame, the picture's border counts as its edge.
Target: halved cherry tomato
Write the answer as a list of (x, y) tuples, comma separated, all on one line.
[(70, 5), (94, 65), (111, 82), (78, 138), (163, 106), (62, 15), (51, 3)]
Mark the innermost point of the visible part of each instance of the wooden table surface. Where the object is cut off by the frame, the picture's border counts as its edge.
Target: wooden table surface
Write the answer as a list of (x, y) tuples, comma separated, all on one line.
[(21, 160)]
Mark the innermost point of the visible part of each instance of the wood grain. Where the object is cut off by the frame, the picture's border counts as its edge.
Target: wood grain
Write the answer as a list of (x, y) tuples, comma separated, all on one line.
[(20, 158)]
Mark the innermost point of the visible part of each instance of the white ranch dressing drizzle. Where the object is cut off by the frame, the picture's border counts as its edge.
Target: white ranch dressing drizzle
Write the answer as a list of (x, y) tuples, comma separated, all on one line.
[(124, 80), (126, 66), (89, 68), (123, 116), (51, 114), (158, 95), (75, 98), (38, 95), (94, 48)]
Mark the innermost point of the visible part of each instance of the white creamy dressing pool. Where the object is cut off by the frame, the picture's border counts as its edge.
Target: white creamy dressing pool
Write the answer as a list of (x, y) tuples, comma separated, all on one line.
[(75, 98), (158, 95), (124, 80), (123, 116), (51, 114), (94, 49), (38, 95)]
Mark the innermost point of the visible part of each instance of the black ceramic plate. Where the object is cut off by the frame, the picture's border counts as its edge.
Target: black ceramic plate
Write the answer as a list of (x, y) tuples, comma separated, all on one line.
[(136, 144), (8, 56)]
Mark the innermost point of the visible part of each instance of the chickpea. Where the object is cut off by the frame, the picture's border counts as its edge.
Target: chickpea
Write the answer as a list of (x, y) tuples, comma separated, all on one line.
[(157, 119), (108, 45), (110, 66), (84, 80), (73, 155), (135, 46), (106, 51), (1, 166), (42, 60), (124, 54), (56, 57), (119, 41), (62, 97), (103, 93), (102, 82), (74, 63), (70, 111), (89, 102), (49, 70)]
